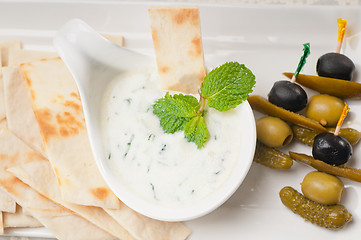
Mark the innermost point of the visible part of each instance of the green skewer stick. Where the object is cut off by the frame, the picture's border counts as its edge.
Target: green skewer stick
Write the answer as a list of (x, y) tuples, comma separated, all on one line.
[(306, 53)]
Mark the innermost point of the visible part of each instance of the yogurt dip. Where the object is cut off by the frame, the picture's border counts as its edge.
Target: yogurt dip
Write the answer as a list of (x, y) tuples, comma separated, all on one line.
[(164, 169)]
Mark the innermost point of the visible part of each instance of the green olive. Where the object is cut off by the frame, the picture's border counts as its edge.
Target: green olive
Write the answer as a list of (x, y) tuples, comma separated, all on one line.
[(325, 109), (273, 132), (322, 188)]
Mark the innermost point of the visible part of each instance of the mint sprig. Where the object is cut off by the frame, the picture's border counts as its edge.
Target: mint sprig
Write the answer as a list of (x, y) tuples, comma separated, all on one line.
[(227, 86), (224, 88), (174, 111)]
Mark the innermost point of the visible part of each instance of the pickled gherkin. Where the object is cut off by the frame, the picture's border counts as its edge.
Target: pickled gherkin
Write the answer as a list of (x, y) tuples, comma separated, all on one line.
[(306, 136), (271, 157), (327, 216), (331, 86), (341, 171), (260, 104)]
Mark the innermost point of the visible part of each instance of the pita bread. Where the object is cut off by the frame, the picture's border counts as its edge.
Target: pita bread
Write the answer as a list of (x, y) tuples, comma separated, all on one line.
[(144, 228), (20, 116), (2, 104), (4, 47), (61, 222), (19, 56), (19, 219), (141, 227), (177, 43), (3, 123), (7, 204), (40, 176), (119, 40), (58, 111), (1, 224)]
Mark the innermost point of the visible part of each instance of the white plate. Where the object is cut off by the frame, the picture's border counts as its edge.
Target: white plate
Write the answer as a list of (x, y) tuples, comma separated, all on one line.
[(269, 41)]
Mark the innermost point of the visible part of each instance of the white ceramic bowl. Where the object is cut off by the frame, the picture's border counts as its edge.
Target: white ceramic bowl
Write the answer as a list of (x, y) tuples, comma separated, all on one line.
[(94, 62)]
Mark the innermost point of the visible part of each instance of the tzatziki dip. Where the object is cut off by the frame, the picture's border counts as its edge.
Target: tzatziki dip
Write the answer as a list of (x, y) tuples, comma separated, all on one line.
[(164, 169)]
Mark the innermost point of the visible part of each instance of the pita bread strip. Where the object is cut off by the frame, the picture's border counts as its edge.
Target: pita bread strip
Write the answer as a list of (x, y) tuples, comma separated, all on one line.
[(144, 228), (119, 40), (39, 175), (61, 222), (5, 46), (20, 116), (7, 204), (178, 48), (2, 104), (19, 219), (1, 224), (19, 56), (3, 123), (58, 110)]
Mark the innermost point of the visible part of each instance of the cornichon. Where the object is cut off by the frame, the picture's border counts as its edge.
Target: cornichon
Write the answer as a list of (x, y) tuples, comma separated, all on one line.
[(342, 170), (327, 216), (271, 157), (306, 136), (262, 105), (331, 86)]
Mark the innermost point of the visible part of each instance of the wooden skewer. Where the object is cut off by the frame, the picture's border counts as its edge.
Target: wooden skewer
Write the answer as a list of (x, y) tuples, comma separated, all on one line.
[(342, 117)]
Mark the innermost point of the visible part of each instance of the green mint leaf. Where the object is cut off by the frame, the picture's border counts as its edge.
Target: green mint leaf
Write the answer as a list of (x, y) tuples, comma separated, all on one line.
[(196, 131), (175, 111), (228, 85)]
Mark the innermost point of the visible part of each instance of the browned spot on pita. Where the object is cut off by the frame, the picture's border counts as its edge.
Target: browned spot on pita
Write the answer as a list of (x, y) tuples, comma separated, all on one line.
[(8, 158), (73, 94), (33, 95), (155, 38), (73, 105), (202, 74), (197, 47), (61, 97), (10, 184), (33, 157), (163, 69), (186, 15), (57, 175), (100, 192), (68, 124), (27, 78), (44, 118)]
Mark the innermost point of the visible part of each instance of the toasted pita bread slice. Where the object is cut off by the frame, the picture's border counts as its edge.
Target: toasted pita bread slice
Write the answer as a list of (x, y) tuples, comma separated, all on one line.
[(177, 43), (2, 103), (58, 111), (144, 228), (3, 123), (62, 223), (1, 224), (40, 176), (20, 116), (7, 204), (5, 46), (117, 39), (19, 56), (19, 219)]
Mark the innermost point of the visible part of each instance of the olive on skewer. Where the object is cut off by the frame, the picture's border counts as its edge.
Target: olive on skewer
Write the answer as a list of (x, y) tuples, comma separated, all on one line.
[(288, 94), (332, 148), (335, 64)]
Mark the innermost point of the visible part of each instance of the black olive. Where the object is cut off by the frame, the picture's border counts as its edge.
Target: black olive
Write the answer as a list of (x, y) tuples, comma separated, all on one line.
[(288, 95), (335, 65), (332, 149)]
